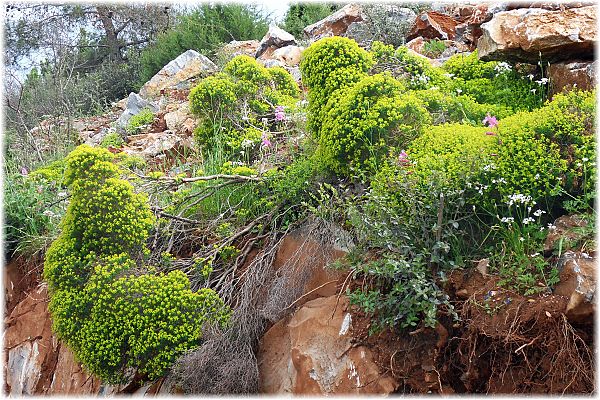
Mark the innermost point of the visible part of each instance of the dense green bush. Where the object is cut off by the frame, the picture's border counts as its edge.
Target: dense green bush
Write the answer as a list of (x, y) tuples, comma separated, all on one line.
[(113, 312), (230, 105), (205, 29), (370, 119), (328, 65), (458, 151), (493, 83)]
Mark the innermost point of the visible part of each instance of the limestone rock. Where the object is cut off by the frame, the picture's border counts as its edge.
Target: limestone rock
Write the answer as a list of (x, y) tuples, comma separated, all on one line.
[(336, 24), (289, 55), (523, 34), (311, 353), (433, 25), (237, 48), (186, 66), (566, 75), (151, 145), (275, 38), (578, 283), (135, 104), (180, 120), (563, 228)]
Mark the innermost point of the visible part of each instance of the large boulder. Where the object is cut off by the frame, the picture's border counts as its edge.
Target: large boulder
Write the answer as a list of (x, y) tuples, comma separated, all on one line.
[(186, 66), (433, 25), (565, 76), (135, 104), (336, 24), (528, 34), (275, 38), (288, 55), (311, 353)]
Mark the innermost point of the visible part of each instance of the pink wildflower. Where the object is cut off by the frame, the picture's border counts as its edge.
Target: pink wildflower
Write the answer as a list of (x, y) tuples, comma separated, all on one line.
[(491, 133), (24, 171), (403, 157), (490, 120), (265, 140), (279, 114)]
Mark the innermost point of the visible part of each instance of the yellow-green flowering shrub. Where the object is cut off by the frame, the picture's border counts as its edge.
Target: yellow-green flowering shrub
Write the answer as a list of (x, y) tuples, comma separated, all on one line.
[(283, 82), (527, 163), (372, 117), (236, 100), (112, 312), (569, 121), (492, 82), (214, 95), (328, 65), (458, 151), (53, 172), (112, 139)]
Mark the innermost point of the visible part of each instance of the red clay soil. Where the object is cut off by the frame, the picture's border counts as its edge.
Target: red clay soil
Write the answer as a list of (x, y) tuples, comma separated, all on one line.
[(20, 276), (505, 343)]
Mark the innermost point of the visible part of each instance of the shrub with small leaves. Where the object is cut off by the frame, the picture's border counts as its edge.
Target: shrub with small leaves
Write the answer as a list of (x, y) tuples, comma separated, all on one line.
[(143, 118), (113, 312), (113, 139), (321, 64), (371, 118)]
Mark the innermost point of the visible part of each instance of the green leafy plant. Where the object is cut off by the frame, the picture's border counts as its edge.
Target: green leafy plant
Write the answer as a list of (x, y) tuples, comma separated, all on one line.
[(434, 48), (113, 139), (372, 117), (111, 310), (328, 65), (143, 118)]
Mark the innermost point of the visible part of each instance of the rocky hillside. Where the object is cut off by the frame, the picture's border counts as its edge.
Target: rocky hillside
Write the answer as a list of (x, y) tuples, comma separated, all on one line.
[(302, 276)]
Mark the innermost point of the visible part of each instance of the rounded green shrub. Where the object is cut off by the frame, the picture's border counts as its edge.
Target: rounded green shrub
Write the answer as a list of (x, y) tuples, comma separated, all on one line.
[(215, 95), (458, 151), (246, 68), (319, 66), (105, 305), (492, 82), (371, 118), (283, 82), (112, 139), (527, 163)]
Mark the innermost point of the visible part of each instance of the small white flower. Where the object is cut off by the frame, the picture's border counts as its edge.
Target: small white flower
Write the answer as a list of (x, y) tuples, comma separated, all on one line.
[(538, 213), (522, 239), (579, 164), (459, 91), (507, 219), (585, 159), (534, 254), (533, 91), (48, 213), (530, 76), (551, 227), (537, 176), (62, 194), (528, 220)]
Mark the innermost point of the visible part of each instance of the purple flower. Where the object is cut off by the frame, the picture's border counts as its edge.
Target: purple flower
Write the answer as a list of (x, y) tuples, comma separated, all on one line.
[(265, 140), (279, 114), (491, 133), (403, 157), (490, 120), (24, 171)]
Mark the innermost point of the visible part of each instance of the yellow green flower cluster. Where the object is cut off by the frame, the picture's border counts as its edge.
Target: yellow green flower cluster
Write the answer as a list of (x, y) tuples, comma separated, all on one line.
[(105, 305)]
